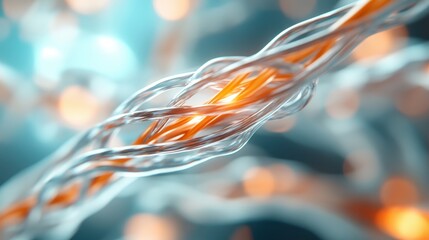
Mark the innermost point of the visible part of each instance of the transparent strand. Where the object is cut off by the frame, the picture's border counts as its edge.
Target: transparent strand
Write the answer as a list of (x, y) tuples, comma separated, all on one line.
[(275, 82)]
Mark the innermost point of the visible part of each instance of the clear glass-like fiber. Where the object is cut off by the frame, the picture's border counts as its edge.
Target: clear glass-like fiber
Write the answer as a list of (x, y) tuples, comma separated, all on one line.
[(89, 155)]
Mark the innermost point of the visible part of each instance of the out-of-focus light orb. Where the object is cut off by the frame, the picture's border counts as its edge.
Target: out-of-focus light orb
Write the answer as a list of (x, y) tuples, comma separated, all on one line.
[(259, 182), (404, 223), (399, 191), (16, 9), (150, 227), (285, 177), (413, 102), (172, 10), (78, 107), (104, 55), (51, 53), (342, 103), (242, 233), (49, 61), (380, 44), (280, 125), (88, 6), (297, 9)]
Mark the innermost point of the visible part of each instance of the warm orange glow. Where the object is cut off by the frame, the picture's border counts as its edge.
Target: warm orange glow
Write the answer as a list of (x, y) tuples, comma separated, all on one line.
[(285, 177), (342, 103), (413, 102), (399, 191), (281, 125), (88, 7), (404, 223), (16, 9), (172, 10), (78, 107), (380, 44), (297, 9), (230, 99), (259, 182), (196, 119), (242, 233), (150, 227)]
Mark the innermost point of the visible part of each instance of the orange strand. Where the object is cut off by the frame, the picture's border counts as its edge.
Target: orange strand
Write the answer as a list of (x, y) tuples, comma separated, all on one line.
[(253, 88)]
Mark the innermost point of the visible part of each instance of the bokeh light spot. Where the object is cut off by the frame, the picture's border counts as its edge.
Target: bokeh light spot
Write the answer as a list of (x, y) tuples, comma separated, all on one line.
[(259, 183), (280, 125), (78, 107), (404, 223), (380, 44), (49, 53), (150, 227), (16, 9), (172, 10), (413, 102), (101, 54), (399, 191), (285, 177), (88, 6)]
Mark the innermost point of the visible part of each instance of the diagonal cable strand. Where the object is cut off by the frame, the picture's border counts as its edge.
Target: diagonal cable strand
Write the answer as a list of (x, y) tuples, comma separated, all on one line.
[(274, 83)]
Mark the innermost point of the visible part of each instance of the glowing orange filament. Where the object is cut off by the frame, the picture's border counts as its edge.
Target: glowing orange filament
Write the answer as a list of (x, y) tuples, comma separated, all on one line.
[(185, 128)]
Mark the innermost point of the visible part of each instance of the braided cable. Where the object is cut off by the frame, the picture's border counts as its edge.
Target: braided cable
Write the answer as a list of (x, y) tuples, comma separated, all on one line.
[(246, 92)]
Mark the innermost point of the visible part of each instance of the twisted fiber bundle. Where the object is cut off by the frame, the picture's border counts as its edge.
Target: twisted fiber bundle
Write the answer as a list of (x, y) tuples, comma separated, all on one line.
[(275, 82)]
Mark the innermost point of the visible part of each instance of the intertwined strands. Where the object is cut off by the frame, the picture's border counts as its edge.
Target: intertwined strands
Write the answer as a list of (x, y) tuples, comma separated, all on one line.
[(241, 94)]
